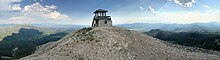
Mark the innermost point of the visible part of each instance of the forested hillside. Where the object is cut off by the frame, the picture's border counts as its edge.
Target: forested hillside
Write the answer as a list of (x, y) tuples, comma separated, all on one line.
[(24, 42), (204, 40)]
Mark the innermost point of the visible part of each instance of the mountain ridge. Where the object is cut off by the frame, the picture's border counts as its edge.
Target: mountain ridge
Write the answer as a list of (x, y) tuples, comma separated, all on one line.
[(113, 43), (143, 27)]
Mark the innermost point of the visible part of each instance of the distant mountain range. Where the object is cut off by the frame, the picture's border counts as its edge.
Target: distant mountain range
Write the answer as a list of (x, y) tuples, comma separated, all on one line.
[(143, 27), (193, 39), (8, 29), (194, 27), (47, 25)]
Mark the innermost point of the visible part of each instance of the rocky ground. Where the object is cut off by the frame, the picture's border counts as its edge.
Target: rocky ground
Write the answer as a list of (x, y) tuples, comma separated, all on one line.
[(113, 43)]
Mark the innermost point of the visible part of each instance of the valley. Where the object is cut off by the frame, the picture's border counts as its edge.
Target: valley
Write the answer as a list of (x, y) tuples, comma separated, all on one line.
[(21, 40)]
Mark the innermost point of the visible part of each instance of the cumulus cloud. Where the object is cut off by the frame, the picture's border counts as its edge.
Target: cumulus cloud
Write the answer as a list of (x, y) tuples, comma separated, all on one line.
[(37, 8), (51, 7), (9, 5), (9, 8), (185, 3), (37, 13), (16, 7)]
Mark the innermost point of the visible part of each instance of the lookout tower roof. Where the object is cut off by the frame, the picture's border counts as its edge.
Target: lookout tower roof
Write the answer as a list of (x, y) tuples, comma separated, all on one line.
[(100, 10)]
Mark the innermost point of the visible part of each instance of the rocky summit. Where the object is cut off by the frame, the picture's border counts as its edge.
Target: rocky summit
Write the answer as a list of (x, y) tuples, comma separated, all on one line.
[(113, 43)]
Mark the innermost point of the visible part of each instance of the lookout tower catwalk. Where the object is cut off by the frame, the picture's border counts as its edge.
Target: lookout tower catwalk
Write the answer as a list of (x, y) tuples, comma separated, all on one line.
[(100, 19)]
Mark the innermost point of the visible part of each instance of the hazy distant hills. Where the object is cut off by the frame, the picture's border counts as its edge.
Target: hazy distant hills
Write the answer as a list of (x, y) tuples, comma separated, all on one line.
[(143, 27), (56, 26), (7, 25), (5, 31), (8, 29), (66, 26), (194, 27)]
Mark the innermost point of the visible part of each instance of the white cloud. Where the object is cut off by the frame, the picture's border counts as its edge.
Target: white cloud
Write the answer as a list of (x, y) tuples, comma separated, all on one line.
[(141, 8), (51, 7), (151, 9), (9, 5), (181, 17), (36, 8), (58, 16), (16, 7), (161, 9), (206, 6), (148, 11), (185, 3), (169, 0), (37, 13), (16, 0), (48, 12), (9, 8)]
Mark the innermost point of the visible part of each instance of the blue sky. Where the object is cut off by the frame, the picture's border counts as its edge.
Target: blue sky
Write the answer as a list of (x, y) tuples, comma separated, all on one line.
[(80, 12)]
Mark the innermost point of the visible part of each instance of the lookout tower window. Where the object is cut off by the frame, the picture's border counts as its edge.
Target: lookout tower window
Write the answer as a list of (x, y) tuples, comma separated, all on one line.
[(105, 22)]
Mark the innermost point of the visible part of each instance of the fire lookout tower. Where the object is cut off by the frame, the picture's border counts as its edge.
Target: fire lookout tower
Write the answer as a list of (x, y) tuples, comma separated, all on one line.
[(100, 19)]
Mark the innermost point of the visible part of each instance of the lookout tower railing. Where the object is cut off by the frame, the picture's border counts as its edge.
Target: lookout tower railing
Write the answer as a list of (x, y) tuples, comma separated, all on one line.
[(102, 18)]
